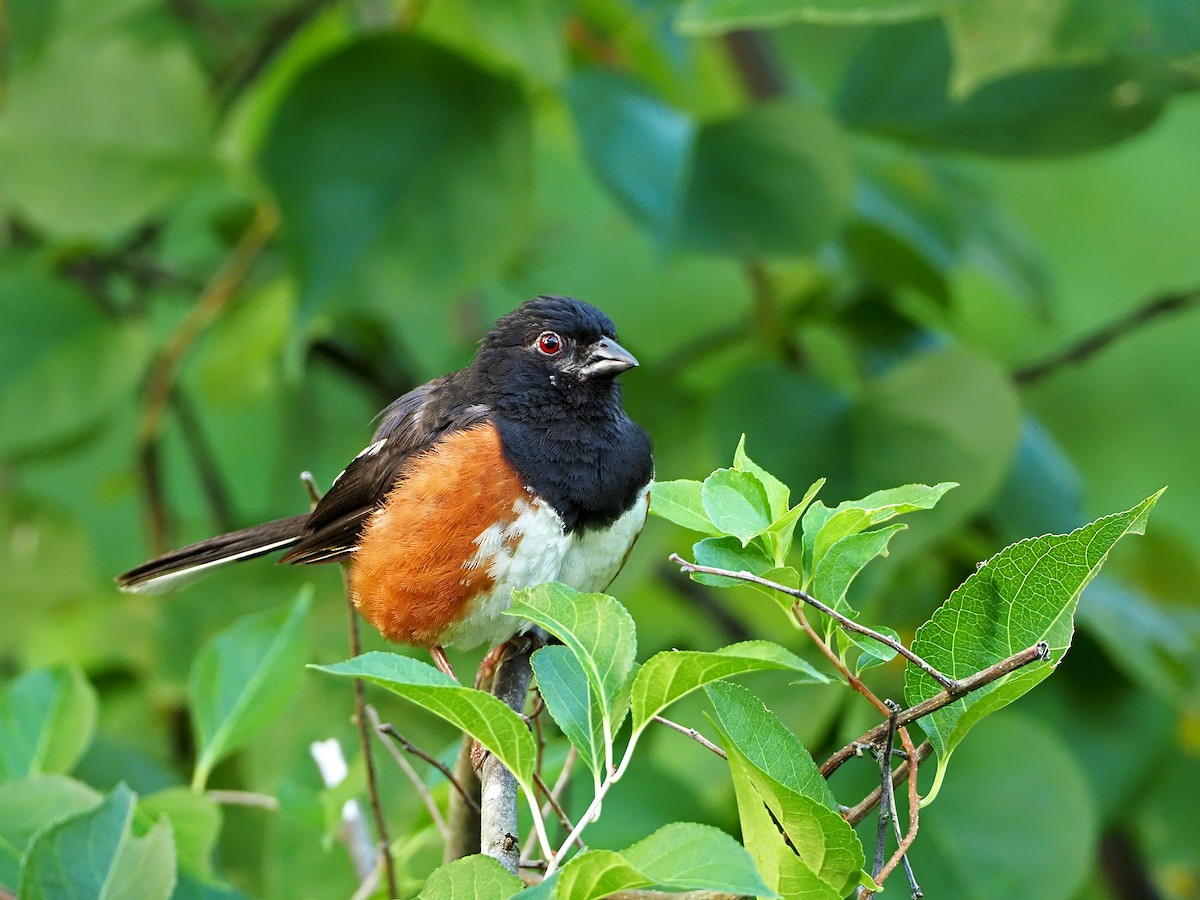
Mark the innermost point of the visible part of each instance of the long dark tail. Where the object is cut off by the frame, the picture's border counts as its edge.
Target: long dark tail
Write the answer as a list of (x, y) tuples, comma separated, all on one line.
[(174, 569)]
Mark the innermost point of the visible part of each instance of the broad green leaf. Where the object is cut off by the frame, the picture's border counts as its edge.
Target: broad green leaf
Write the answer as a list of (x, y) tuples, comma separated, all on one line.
[(824, 527), (843, 561), (990, 42), (94, 854), (100, 133), (684, 856), (729, 553), (564, 687), (596, 874), (668, 676), (970, 838), (599, 632), (719, 16), (244, 678), (1024, 594), (736, 503), (949, 414), (47, 720), (195, 821), (394, 159), (767, 743), (31, 804), (829, 853), (872, 653), (777, 492), (774, 179), (679, 502), (486, 718), (784, 528), (475, 877), (899, 86)]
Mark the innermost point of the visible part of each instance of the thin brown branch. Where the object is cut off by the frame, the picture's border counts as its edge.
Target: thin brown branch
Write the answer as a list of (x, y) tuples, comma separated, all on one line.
[(863, 808), (385, 728), (211, 481), (1039, 651), (693, 734), (849, 624), (381, 729), (851, 679), (464, 817), (553, 803), (164, 370), (1091, 344)]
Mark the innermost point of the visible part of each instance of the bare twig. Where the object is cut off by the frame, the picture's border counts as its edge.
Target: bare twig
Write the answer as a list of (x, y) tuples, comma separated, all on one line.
[(211, 481), (1098, 340), (849, 624), (693, 734), (464, 817), (1039, 651), (553, 803), (413, 776), (164, 371), (863, 808), (244, 798), (886, 804), (560, 786), (386, 728)]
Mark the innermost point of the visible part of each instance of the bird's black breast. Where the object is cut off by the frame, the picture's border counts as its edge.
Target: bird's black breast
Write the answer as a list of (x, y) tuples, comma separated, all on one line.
[(591, 474)]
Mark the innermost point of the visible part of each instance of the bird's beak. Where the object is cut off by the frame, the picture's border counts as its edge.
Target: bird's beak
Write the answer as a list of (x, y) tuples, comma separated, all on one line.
[(606, 360)]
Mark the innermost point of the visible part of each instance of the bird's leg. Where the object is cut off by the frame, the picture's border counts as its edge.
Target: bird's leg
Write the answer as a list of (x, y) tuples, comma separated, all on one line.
[(440, 660), (487, 668)]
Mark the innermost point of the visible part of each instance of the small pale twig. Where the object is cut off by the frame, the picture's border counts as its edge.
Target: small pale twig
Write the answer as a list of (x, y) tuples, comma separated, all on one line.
[(885, 806), (382, 729), (385, 728), (984, 677), (693, 734), (849, 624), (244, 798)]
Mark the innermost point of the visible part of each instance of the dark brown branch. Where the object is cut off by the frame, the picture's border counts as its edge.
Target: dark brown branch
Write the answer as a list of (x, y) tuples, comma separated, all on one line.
[(887, 801), (211, 481), (861, 810), (757, 64), (1102, 337), (849, 624), (1039, 651), (386, 728)]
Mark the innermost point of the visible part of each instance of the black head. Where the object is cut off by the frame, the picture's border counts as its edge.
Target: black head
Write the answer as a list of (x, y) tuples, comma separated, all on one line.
[(548, 356)]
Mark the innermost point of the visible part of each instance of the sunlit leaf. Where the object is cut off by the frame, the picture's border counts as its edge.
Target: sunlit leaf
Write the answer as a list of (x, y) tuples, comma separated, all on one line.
[(679, 502), (684, 856), (475, 877)]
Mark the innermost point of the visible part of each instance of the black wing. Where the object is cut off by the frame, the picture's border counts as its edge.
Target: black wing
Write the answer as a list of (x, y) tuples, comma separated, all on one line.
[(409, 425)]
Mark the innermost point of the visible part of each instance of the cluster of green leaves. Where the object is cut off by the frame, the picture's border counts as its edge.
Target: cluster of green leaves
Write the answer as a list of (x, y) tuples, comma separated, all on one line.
[(846, 271), (60, 836)]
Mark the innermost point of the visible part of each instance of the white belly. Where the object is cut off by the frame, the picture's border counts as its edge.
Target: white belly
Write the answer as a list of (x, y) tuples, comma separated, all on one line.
[(533, 549)]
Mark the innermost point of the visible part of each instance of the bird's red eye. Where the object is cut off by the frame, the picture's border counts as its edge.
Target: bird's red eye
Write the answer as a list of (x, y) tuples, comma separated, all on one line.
[(549, 343)]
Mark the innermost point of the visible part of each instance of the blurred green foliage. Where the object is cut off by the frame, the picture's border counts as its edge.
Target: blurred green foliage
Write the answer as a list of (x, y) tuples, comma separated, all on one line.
[(232, 230)]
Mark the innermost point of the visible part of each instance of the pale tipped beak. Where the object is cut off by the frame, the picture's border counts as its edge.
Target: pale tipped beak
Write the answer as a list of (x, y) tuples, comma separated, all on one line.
[(606, 360)]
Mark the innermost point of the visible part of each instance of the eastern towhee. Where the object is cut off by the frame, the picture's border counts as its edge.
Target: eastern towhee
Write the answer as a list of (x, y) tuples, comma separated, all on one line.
[(521, 468)]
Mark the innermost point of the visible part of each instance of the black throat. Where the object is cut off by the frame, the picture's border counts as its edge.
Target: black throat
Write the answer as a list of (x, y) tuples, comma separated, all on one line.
[(591, 468)]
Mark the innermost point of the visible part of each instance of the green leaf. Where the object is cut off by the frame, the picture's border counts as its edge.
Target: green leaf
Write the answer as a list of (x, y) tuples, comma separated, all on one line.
[(899, 86), (195, 821), (94, 854), (101, 133), (679, 502), (596, 874), (728, 553), (31, 804), (47, 720), (244, 678), (777, 492), (486, 718), (1024, 594), (783, 529), (872, 652), (668, 676), (396, 160), (599, 632), (699, 17), (771, 767), (774, 179), (475, 877), (564, 687), (825, 527), (843, 561), (736, 503), (684, 856), (970, 838)]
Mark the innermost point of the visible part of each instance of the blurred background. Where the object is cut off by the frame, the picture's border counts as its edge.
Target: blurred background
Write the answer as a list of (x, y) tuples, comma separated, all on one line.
[(887, 240)]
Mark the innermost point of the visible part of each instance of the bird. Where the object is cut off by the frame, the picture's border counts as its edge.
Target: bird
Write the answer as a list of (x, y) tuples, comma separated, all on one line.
[(519, 469)]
